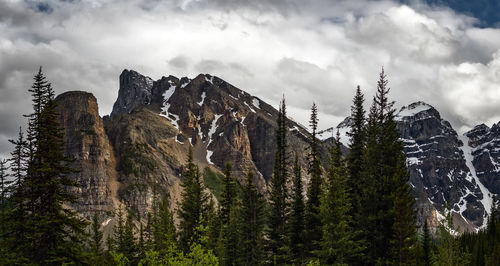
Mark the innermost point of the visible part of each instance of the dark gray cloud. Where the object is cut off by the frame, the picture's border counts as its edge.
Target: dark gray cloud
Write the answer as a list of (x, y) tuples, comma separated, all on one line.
[(310, 51)]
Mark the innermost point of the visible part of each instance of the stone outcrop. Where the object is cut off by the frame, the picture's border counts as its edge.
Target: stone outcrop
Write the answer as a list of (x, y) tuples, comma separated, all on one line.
[(135, 90), (88, 145)]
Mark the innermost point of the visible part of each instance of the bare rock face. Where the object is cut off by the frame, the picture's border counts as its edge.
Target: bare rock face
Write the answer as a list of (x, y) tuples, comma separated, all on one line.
[(87, 143), (485, 144), (149, 157), (135, 90), (441, 170)]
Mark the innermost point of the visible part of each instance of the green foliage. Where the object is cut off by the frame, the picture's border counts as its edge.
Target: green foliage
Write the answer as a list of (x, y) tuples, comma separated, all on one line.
[(357, 140), (195, 204), (96, 240), (133, 159), (164, 232), (278, 241), (449, 251), (312, 217), (252, 225), (43, 230), (213, 181), (119, 259), (338, 243), (388, 222), (296, 223), (228, 195)]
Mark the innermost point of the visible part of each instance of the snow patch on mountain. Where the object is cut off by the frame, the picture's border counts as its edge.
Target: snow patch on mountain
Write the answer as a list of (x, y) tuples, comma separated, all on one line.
[(343, 128), (251, 109), (487, 200), (256, 102), (412, 109), (211, 79), (166, 106), (203, 96)]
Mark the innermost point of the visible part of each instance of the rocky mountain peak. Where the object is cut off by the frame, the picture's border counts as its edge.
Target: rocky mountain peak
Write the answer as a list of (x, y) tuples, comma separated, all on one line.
[(134, 91), (417, 110)]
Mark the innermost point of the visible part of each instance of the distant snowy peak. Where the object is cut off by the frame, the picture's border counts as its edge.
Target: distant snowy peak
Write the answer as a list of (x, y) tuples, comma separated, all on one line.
[(413, 109), (343, 128)]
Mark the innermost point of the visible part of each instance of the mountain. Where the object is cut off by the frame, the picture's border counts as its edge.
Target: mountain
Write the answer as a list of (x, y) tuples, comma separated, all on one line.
[(142, 146), (448, 168)]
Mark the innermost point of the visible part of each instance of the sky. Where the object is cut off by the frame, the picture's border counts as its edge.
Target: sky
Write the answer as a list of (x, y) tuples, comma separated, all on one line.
[(445, 53)]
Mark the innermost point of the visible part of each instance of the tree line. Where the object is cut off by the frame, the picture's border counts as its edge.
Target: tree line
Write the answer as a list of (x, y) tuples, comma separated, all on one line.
[(356, 210)]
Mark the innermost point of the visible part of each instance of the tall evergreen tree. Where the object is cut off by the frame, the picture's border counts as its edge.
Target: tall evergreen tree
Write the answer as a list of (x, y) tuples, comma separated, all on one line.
[(59, 231), (194, 205), (297, 228), (96, 240), (129, 243), (426, 244), (164, 232), (4, 187), (230, 237), (278, 242), (449, 250), (229, 217), (17, 242), (116, 242), (355, 158), (228, 194), (338, 244), (388, 223), (252, 227), (312, 217)]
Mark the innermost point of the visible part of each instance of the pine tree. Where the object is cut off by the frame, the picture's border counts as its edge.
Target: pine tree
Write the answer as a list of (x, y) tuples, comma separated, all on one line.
[(194, 205), (128, 246), (252, 227), (278, 242), (4, 191), (96, 240), (388, 224), (230, 237), (17, 243), (229, 218), (338, 244), (426, 244), (370, 190), (164, 233), (4, 227), (312, 217), (357, 142), (59, 231), (228, 194), (116, 243), (297, 228), (449, 250)]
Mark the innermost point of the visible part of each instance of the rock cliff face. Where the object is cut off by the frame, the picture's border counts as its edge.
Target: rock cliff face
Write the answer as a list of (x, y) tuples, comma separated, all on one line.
[(88, 144), (485, 149), (135, 90)]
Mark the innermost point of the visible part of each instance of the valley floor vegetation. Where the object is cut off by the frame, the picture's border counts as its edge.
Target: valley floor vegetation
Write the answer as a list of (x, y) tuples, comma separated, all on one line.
[(358, 210)]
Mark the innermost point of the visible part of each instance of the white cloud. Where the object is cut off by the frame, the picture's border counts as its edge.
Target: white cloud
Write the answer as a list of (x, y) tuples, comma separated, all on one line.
[(315, 51)]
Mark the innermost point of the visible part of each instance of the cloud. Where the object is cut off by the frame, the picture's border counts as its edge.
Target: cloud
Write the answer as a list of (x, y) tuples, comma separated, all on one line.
[(311, 52)]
